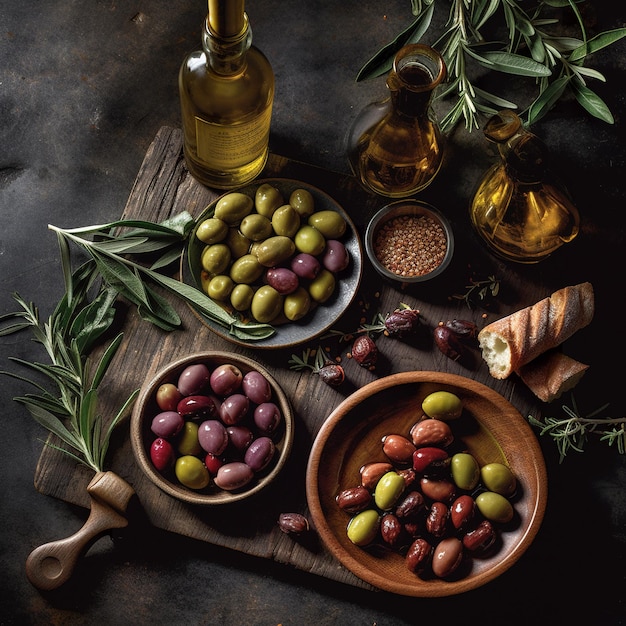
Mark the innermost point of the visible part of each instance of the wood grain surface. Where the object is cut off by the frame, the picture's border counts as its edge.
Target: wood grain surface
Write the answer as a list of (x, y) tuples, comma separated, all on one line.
[(163, 187)]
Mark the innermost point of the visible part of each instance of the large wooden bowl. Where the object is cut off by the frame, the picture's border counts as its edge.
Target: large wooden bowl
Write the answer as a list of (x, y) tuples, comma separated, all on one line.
[(490, 428), (146, 408)]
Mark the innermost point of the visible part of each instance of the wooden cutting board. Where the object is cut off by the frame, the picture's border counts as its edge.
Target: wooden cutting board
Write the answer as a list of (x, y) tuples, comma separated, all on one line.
[(163, 187)]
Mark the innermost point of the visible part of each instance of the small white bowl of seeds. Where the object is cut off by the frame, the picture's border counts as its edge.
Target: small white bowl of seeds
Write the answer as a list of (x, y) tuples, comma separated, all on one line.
[(409, 241)]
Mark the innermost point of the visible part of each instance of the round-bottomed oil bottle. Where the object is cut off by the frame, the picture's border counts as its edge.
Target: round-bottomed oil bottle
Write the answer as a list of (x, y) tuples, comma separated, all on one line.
[(226, 96), (520, 208)]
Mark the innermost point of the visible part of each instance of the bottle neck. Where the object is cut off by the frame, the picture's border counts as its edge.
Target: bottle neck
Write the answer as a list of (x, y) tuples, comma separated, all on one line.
[(226, 55), (417, 71)]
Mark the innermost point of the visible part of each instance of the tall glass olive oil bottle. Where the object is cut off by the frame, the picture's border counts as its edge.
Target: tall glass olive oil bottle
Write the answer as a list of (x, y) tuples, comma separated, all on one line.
[(226, 95)]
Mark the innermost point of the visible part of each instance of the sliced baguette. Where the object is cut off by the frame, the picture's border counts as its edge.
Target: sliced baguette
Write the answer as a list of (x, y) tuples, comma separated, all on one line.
[(550, 375), (517, 339)]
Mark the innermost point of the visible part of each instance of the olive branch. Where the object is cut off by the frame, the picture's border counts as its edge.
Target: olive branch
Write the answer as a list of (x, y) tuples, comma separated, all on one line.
[(525, 47)]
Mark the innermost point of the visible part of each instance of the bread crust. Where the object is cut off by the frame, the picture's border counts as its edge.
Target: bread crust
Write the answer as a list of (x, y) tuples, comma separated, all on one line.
[(550, 375), (517, 339)]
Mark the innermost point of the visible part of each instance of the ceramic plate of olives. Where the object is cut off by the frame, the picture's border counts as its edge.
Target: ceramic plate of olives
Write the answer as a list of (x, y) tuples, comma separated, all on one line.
[(212, 428), (279, 255), (426, 484)]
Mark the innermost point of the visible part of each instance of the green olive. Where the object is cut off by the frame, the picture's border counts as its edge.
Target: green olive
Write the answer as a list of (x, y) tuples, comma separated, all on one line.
[(442, 405), (233, 207), (256, 227), (212, 230), (465, 471), (309, 240), (241, 297), (215, 258), (297, 304), (267, 199), (286, 221), (322, 286), (238, 243), (302, 201), (274, 250), (188, 439), (329, 223), (266, 304), (499, 478), (246, 269), (192, 472), (388, 489), (363, 527), (219, 287), (495, 507)]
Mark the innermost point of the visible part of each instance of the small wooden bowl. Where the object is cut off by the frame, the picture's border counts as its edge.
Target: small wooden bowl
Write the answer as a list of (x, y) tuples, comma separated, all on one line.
[(490, 428), (146, 408)]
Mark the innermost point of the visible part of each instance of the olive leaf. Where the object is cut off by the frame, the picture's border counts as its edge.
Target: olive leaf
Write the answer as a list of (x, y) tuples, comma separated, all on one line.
[(513, 64), (591, 102), (382, 61), (598, 42), (547, 99)]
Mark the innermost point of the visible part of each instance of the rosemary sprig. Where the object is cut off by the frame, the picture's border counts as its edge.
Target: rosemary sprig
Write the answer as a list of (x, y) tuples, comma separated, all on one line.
[(318, 362), (483, 289), (572, 432), (110, 253), (556, 64)]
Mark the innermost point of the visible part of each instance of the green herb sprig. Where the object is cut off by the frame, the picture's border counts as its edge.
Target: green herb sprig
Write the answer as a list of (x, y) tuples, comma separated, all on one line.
[(111, 251), (479, 289), (572, 432), (555, 63), (71, 411)]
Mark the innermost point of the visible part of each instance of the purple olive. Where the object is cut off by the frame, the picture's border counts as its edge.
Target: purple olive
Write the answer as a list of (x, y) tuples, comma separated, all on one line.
[(284, 280), (193, 379), (240, 436), (267, 417), (167, 424), (234, 408), (233, 475), (226, 379), (260, 453), (305, 265), (336, 257), (213, 437), (256, 387), (199, 407)]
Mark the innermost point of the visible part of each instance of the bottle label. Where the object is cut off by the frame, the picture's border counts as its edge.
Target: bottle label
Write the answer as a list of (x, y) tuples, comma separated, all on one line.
[(231, 146)]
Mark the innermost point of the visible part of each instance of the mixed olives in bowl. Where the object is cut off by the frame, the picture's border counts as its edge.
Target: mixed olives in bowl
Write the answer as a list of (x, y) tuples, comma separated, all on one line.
[(426, 484), (212, 428), (277, 252)]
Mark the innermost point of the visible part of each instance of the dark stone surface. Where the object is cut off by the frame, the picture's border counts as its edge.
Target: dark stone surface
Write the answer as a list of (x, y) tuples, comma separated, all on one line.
[(84, 87)]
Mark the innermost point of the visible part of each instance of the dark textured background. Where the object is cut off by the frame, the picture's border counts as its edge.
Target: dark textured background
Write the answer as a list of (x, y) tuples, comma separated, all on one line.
[(84, 87)]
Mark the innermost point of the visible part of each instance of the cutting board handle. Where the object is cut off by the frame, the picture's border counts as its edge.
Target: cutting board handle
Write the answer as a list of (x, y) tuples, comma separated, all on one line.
[(52, 564)]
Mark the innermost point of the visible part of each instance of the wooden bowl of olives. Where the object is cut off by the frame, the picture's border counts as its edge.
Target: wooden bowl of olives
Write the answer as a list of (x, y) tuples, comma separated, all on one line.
[(426, 484), (212, 428), (276, 252)]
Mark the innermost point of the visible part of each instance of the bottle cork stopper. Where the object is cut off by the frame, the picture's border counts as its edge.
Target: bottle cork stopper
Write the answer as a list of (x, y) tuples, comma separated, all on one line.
[(226, 17)]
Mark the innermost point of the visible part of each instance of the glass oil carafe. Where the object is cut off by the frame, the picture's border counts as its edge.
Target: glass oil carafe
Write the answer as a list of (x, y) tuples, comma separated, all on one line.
[(395, 146), (520, 210)]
